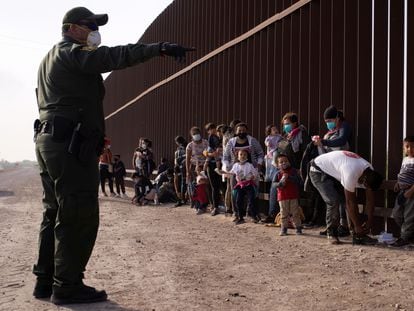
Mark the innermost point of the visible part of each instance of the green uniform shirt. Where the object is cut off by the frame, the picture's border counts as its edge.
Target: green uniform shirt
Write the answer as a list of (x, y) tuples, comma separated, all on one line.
[(70, 82)]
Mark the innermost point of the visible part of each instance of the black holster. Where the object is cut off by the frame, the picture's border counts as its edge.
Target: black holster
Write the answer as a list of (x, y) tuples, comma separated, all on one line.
[(85, 143)]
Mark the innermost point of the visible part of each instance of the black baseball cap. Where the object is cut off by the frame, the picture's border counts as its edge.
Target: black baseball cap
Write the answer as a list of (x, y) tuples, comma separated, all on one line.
[(77, 14)]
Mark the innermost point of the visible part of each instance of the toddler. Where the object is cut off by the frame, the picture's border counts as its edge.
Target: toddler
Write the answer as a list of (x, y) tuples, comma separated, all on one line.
[(403, 212), (287, 182)]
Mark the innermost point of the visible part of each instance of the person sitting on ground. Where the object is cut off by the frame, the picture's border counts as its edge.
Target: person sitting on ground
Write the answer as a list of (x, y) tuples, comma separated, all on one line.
[(144, 189), (165, 187), (246, 177), (337, 174), (163, 166), (119, 174), (287, 182), (403, 212)]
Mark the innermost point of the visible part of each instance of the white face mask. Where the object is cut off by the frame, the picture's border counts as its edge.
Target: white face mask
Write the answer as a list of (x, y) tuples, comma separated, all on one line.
[(94, 39), (196, 137)]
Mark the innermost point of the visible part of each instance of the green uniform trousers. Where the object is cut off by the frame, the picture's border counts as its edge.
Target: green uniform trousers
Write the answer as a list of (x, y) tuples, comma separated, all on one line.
[(71, 215)]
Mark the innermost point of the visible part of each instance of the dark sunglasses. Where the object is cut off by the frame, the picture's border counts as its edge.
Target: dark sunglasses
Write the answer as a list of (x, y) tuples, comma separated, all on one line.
[(91, 25)]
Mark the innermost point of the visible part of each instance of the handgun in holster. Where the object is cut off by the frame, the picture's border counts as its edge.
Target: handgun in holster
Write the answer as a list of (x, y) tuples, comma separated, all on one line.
[(36, 129)]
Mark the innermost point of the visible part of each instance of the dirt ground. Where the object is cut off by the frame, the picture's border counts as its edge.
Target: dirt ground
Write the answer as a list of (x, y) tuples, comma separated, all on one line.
[(163, 258)]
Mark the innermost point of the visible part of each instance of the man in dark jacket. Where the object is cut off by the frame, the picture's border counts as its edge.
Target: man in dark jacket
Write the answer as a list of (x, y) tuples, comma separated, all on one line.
[(69, 136)]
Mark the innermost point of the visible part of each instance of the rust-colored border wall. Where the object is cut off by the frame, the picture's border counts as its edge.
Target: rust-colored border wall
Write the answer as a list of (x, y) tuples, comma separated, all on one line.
[(349, 53)]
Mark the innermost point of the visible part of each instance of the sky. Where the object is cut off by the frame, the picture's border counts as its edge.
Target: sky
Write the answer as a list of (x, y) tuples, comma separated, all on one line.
[(28, 29)]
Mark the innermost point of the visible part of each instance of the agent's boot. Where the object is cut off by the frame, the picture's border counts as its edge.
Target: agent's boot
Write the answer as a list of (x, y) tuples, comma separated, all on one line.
[(85, 294)]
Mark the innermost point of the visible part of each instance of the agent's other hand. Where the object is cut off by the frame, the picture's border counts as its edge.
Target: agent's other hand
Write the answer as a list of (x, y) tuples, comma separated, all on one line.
[(174, 50)]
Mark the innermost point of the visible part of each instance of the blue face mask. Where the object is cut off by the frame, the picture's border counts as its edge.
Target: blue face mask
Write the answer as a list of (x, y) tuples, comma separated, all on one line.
[(330, 125), (287, 128)]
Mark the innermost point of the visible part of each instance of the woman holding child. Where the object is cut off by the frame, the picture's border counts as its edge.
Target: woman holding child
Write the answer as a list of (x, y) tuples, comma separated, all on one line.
[(243, 141)]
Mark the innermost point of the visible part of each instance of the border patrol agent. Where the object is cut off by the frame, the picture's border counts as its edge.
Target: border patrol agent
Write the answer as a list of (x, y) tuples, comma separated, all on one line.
[(69, 137)]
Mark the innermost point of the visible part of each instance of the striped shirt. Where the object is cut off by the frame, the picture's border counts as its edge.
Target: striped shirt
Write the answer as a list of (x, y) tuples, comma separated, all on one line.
[(406, 175)]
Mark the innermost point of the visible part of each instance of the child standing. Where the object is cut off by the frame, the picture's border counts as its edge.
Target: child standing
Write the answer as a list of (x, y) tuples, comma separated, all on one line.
[(199, 197), (403, 212), (246, 177), (287, 182), (272, 139), (119, 174)]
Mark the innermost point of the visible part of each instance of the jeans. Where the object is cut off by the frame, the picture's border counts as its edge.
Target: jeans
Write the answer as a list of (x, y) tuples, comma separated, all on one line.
[(240, 194), (332, 196), (273, 203), (403, 215)]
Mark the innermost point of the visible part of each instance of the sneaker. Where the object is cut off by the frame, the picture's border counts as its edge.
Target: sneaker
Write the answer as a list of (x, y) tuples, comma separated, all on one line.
[(332, 236), (363, 240), (283, 232), (85, 294), (400, 242), (117, 195), (42, 290), (240, 221), (113, 194), (215, 211), (236, 219), (104, 194), (325, 232), (179, 203), (252, 219), (309, 225), (200, 211), (343, 231), (124, 196), (299, 231), (268, 220)]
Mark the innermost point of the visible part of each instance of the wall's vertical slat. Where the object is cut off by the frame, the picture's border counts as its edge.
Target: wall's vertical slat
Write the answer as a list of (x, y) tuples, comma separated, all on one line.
[(362, 128), (337, 50), (314, 48), (380, 85), (304, 66), (325, 58), (350, 60), (295, 63), (285, 65), (410, 68), (396, 83)]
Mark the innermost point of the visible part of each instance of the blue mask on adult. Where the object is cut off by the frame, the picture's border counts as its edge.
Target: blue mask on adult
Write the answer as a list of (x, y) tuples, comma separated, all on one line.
[(330, 125), (287, 128)]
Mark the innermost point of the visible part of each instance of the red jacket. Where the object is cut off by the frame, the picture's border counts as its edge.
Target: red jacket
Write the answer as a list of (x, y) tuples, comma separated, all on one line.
[(290, 190)]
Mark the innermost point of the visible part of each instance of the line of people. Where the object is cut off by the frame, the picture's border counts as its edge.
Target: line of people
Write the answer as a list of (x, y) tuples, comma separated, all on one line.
[(294, 164), (224, 171)]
